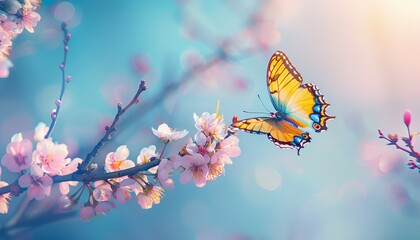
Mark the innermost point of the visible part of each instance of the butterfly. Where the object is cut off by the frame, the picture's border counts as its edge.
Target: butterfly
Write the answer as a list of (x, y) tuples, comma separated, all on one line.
[(298, 106)]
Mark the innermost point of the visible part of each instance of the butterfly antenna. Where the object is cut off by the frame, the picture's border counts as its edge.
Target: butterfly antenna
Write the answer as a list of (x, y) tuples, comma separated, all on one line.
[(254, 112), (263, 103)]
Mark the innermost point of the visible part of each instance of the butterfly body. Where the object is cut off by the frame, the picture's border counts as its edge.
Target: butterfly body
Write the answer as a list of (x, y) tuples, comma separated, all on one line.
[(298, 106)]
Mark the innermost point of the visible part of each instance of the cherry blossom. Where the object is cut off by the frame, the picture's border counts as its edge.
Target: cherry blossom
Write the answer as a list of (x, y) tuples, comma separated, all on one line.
[(86, 213), (10, 28), (104, 207), (40, 131), (230, 146), (71, 167), (211, 125), (18, 154), (4, 199), (102, 192), (149, 196), (166, 167), (203, 145), (196, 169), (4, 68), (38, 183), (217, 165), (117, 160), (167, 134), (51, 156), (28, 19), (145, 156), (5, 45), (123, 192)]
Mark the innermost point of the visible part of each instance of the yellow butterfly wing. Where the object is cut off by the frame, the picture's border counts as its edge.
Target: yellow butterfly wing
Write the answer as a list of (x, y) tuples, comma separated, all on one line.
[(297, 106), (281, 133), (301, 104)]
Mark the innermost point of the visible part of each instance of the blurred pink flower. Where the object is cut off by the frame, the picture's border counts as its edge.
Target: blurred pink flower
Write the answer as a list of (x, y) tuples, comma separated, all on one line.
[(4, 199), (4, 68), (18, 154), (196, 169), (149, 196), (380, 159), (64, 202), (5, 45), (140, 64), (167, 134), (145, 155), (40, 131), (87, 213), (38, 183), (28, 19), (10, 28), (165, 169), (104, 207), (210, 125), (51, 156), (71, 167), (33, 3), (117, 160), (230, 146)]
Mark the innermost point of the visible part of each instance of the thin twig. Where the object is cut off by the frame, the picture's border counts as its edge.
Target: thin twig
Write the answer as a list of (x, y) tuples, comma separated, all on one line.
[(109, 130), (64, 80)]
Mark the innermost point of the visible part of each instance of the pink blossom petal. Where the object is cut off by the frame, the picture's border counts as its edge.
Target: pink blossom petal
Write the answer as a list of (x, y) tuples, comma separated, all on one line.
[(36, 171), (200, 181), (122, 153), (86, 213), (25, 181), (104, 207), (186, 176)]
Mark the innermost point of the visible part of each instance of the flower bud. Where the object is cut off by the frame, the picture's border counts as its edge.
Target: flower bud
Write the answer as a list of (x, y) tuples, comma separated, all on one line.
[(54, 114), (393, 137), (407, 117), (58, 102)]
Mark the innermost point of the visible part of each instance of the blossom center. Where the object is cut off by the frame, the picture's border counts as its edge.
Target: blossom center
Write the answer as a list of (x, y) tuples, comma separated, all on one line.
[(202, 150), (196, 170), (20, 159)]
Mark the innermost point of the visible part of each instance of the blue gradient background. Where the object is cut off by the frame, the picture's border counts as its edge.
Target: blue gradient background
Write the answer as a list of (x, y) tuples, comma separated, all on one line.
[(345, 185)]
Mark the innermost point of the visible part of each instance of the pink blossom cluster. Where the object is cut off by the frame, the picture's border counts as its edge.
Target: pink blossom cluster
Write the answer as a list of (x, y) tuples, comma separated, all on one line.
[(204, 158), (200, 160), (37, 166), (15, 16)]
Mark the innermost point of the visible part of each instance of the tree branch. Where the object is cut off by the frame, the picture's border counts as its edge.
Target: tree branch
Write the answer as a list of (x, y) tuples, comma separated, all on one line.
[(110, 130)]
